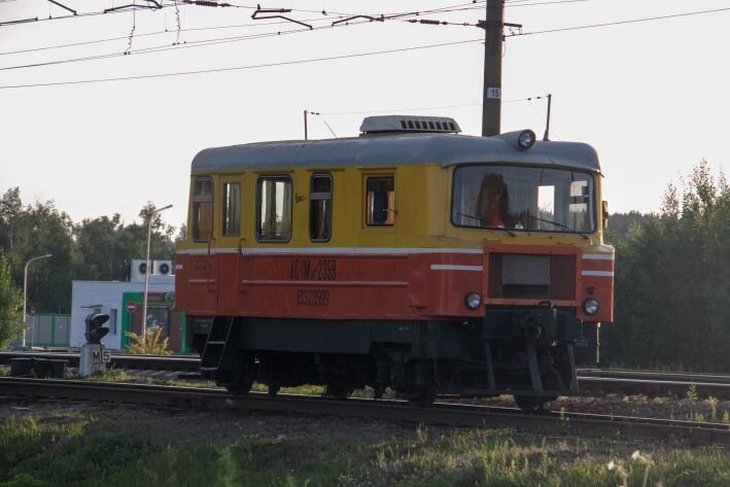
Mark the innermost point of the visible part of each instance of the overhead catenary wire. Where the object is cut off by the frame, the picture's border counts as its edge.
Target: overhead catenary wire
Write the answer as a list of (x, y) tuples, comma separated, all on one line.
[(623, 22), (417, 109), (340, 15), (270, 34), (145, 34), (537, 3), (241, 68), (206, 42), (35, 19)]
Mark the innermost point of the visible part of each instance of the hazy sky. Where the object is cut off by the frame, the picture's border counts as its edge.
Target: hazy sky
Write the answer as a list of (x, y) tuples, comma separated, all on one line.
[(652, 97)]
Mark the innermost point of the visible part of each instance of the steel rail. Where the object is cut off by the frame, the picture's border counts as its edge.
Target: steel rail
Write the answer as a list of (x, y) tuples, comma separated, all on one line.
[(696, 433), (592, 382), (653, 388), (655, 375), (183, 363)]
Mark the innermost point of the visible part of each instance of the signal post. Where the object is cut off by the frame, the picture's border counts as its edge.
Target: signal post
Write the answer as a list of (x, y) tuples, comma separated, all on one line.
[(94, 356)]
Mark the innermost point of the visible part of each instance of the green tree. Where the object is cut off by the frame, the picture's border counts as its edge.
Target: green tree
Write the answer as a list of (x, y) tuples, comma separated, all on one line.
[(99, 250), (105, 247), (10, 207), (95, 249), (672, 289), (43, 229), (11, 304)]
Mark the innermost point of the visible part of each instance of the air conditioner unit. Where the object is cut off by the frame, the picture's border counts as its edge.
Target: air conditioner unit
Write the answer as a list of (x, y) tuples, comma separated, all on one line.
[(162, 268), (138, 270)]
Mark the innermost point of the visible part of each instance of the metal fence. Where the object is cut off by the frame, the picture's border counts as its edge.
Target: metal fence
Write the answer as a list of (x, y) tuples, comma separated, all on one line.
[(48, 330)]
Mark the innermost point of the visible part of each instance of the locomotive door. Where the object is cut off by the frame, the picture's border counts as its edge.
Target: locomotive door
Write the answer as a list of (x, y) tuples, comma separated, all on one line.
[(226, 256), (202, 274)]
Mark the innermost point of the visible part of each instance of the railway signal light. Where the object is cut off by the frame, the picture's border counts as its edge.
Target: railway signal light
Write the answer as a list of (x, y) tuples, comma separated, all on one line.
[(95, 329)]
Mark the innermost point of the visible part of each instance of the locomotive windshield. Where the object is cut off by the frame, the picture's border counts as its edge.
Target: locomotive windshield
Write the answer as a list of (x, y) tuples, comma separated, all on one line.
[(523, 198)]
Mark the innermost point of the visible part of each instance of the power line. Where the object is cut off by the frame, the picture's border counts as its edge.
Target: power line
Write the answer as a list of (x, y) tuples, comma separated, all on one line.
[(201, 43), (81, 15), (553, 2), (419, 109), (208, 42), (145, 34), (339, 15), (622, 22), (162, 48), (239, 68)]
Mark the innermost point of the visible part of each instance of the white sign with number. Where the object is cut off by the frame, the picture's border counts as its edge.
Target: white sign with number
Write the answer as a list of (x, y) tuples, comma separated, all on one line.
[(494, 93)]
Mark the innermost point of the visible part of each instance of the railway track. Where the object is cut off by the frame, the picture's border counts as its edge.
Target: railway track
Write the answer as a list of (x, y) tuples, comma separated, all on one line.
[(182, 363), (564, 423), (592, 381), (654, 383)]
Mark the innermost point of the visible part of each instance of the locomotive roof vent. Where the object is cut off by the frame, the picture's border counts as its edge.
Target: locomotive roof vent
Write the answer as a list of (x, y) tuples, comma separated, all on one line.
[(397, 124)]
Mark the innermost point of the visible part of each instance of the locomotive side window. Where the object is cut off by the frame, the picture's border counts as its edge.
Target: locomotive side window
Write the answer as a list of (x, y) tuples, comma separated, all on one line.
[(202, 209), (273, 200), (380, 201), (320, 208), (231, 210)]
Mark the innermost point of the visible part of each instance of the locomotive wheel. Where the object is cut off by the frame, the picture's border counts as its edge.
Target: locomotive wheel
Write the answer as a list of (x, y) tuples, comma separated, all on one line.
[(534, 404), (424, 400), (540, 404), (338, 390), (243, 380), (424, 396), (241, 387)]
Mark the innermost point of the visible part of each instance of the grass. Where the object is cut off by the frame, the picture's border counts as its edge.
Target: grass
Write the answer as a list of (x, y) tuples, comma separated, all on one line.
[(81, 449)]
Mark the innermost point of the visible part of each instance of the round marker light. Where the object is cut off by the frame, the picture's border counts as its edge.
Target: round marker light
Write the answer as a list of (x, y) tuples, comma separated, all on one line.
[(526, 139), (590, 306), (473, 300)]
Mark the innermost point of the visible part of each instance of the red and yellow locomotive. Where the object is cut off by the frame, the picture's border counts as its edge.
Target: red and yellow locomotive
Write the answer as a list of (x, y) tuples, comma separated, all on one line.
[(409, 257)]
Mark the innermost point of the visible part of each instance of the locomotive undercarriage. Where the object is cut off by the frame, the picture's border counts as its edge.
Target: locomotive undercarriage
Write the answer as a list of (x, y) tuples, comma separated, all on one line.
[(527, 352)]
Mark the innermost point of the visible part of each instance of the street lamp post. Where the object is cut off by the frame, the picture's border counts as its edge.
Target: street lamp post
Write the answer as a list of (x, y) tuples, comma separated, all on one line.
[(147, 269), (25, 292)]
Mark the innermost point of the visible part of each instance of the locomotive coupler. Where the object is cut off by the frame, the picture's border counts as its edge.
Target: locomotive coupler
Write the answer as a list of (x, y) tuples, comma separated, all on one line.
[(538, 324)]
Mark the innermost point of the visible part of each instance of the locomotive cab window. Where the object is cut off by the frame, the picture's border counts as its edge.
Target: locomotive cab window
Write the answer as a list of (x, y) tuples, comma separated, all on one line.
[(231, 224), (273, 200), (380, 201), (320, 208), (523, 198), (202, 209)]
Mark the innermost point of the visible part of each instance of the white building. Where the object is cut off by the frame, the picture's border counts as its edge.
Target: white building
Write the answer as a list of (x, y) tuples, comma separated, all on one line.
[(122, 301)]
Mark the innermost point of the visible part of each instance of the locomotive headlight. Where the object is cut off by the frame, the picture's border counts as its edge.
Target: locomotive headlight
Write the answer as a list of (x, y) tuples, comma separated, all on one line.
[(526, 139), (473, 300), (590, 306)]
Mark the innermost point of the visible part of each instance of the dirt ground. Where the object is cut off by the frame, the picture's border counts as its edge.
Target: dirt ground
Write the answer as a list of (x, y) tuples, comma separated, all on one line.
[(169, 425)]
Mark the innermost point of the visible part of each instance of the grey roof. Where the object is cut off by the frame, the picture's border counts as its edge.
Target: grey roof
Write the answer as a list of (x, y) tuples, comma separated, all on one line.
[(444, 149)]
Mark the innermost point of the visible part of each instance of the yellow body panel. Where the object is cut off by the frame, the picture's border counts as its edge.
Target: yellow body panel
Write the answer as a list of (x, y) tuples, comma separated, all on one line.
[(422, 213)]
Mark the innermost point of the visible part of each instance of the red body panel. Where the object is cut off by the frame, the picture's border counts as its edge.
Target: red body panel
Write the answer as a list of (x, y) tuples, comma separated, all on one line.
[(403, 284)]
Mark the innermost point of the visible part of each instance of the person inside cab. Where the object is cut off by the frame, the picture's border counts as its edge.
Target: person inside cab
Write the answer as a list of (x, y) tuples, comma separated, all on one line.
[(493, 201)]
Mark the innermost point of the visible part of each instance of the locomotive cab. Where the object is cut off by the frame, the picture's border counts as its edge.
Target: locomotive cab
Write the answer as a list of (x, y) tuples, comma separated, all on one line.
[(410, 258)]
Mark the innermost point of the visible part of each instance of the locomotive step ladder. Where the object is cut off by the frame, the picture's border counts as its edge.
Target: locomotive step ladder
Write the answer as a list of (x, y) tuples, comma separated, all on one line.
[(215, 346)]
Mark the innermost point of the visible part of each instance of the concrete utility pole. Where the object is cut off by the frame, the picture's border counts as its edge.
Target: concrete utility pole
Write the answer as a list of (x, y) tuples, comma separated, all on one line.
[(493, 40)]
